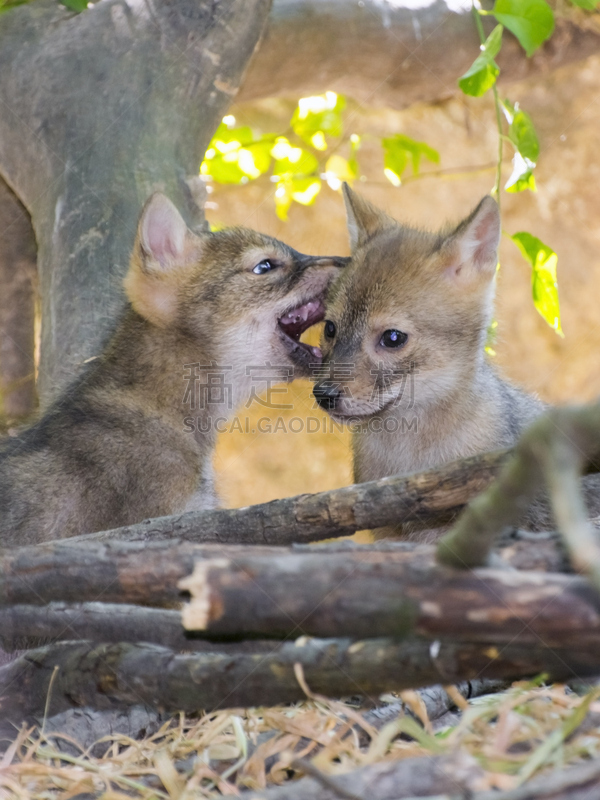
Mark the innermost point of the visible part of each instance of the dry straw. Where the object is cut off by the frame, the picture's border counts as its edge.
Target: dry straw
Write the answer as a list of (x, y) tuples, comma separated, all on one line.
[(514, 735)]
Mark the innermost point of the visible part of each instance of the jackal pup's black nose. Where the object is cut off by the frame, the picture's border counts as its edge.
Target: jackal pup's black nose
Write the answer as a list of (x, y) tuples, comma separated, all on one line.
[(326, 395)]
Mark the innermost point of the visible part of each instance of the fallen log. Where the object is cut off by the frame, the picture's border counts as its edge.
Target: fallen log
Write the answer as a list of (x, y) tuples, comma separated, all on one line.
[(120, 572), (432, 497), (147, 573), (26, 626), (58, 677), (366, 595)]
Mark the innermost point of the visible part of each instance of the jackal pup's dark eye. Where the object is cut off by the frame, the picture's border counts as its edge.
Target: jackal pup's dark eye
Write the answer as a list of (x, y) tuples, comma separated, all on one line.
[(263, 266), (329, 329), (393, 338)]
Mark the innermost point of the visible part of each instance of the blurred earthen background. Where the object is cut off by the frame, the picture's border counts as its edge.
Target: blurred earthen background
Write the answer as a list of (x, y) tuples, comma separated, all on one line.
[(564, 213)]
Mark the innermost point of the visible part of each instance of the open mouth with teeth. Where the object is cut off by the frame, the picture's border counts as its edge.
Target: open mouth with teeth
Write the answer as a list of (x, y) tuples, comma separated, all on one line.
[(293, 324)]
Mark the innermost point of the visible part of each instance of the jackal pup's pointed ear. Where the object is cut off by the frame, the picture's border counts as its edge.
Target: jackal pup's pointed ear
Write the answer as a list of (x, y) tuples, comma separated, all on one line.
[(162, 256), (363, 218), (473, 246)]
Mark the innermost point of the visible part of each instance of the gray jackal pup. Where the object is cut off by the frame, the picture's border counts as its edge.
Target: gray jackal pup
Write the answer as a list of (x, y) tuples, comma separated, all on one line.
[(114, 449), (410, 314)]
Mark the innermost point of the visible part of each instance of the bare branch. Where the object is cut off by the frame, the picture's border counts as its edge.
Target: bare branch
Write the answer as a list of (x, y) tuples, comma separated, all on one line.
[(428, 496)]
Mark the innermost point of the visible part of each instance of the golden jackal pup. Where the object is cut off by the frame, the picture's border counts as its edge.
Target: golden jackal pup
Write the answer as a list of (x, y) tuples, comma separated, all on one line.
[(403, 349), (114, 449)]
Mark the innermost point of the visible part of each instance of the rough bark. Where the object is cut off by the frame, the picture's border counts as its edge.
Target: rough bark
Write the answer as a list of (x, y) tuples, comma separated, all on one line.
[(363, 592), (125, 675), (23, 627), (113, 572), (17, 308), (99, 110), (372, 595), (147, 574), (391, 54), (429, 497)]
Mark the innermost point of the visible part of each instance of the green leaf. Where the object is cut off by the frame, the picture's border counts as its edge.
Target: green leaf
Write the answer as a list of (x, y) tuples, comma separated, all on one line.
[(226, 135), (543, 261), (255, 159), (319, 115), (305, 190), (522, 134), (523, 182), (6, 5), (234, 157), (283, 198), (397, 150), (483, 72), (589, 5), (224, 168), (493, 43), (522, 177), (531, 21), (75, 5), (355, 142), (480, 77), (292, 161), (338, 170)]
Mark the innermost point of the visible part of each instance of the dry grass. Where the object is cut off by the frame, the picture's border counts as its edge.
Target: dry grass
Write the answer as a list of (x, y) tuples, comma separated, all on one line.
[(513, 735)]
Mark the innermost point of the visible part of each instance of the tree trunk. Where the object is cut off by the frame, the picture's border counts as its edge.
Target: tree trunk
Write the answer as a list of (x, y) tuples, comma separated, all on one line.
[(99, 110)]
